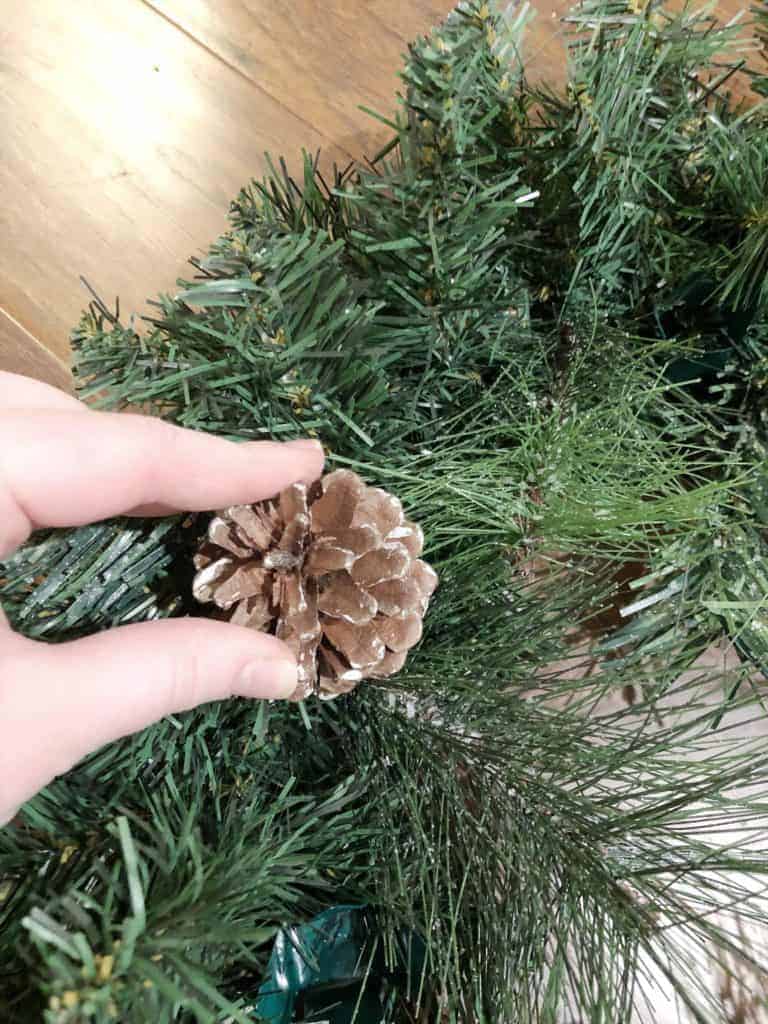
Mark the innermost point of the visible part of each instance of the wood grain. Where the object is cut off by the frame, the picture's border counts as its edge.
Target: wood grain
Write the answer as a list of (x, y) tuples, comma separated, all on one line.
[(128, 125), (20, 352), (328, 59), (323, 60), (123, 142)]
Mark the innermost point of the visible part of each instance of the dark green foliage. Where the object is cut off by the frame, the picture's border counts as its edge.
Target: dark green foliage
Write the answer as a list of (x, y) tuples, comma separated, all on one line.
[(105, 574), (540, 319)]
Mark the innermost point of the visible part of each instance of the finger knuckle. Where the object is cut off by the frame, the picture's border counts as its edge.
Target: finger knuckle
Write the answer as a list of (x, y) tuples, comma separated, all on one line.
[(15, 525), (187, 681)]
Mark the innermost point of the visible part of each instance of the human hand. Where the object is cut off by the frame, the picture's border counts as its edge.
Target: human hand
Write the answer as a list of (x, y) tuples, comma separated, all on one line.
[(62, 464)]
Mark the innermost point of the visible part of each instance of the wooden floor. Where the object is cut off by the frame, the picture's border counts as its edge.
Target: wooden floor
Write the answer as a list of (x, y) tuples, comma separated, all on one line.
[(127, 126)]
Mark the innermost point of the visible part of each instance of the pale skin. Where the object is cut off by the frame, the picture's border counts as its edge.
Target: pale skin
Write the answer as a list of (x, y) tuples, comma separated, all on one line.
[(62, 464)]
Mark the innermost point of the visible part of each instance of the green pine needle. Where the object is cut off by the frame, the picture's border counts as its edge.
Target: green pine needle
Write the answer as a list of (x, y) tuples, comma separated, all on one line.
[(539, 317)]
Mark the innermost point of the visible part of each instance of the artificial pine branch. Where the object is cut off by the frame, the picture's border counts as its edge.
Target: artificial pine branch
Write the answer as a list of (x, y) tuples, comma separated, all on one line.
[(539, 318)]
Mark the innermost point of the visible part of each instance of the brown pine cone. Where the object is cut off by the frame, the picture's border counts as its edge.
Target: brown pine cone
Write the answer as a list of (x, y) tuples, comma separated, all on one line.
[(332, 569)]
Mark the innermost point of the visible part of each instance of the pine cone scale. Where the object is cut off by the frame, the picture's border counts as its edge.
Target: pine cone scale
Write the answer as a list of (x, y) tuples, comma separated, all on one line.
[(221, 532), (389, 665), (254, 612), (254, 527), (334, 509), (325, 558), (411, 536), (246, 581), (362, 646), (211, 575), (399, 595), (400, 633), (342, 599), (389, 562), (293, 503), (359, 540), (380, 509)]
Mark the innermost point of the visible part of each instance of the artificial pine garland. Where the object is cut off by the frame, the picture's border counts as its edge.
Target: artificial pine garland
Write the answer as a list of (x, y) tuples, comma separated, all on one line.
[(540, 318)]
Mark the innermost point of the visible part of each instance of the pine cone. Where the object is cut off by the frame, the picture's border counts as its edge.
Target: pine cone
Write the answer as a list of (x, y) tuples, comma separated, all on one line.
[(332, 569)]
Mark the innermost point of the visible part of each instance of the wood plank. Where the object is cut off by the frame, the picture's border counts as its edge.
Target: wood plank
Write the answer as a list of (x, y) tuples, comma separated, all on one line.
[(130, 125), (409, 18), (322, 60), (544, 49), (287, 50), (123, 143), (21, 353)]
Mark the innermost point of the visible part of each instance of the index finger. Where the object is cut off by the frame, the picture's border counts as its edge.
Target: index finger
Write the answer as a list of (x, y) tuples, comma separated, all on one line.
[(67, 468)]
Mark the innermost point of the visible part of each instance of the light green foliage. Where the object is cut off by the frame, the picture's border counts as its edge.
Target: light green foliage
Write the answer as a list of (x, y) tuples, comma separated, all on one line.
[(540, 319)]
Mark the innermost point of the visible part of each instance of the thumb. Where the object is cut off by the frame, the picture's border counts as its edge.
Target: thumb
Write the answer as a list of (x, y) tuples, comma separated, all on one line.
[(59, 702)]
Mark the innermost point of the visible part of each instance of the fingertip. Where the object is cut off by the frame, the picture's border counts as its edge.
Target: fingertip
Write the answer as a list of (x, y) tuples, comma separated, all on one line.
[(307, 444), (305, 457), (270, 679), (266, 667)]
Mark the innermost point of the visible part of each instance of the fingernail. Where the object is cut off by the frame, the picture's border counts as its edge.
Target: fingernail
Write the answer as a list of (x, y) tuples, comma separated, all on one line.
[(305, 444), (275, 680)]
